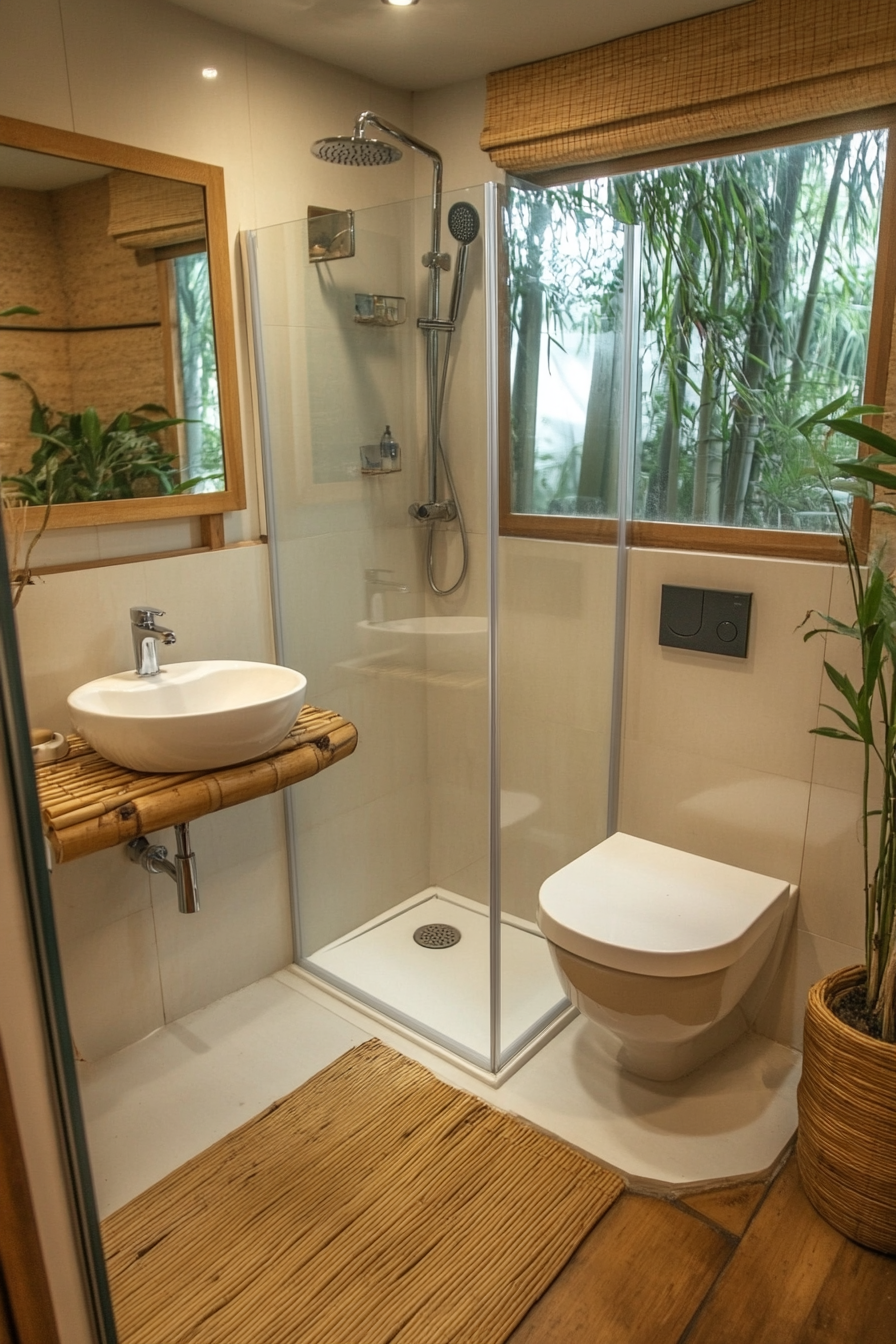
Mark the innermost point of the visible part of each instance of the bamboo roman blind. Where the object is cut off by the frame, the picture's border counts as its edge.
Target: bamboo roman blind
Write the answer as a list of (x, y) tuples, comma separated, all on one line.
[(758, 66), (150, 212)]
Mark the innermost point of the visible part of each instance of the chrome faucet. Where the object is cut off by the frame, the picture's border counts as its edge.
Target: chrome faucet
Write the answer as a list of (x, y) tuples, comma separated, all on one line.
[(376, 578), (377, 581), (146, 634)]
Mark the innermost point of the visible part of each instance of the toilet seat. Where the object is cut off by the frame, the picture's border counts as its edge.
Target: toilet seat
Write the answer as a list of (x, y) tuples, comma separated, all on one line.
[(642, 907)]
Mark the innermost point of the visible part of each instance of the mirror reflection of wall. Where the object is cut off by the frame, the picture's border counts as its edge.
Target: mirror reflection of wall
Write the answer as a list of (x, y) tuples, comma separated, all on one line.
[(115, 263)]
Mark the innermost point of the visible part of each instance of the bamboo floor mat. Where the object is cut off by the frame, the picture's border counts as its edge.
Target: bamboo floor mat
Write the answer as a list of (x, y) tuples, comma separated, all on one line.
[(373, 1205)]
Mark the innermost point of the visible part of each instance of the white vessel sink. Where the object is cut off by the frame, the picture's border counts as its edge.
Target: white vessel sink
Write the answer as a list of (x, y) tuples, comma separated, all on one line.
[(192, 716), (436, 644)]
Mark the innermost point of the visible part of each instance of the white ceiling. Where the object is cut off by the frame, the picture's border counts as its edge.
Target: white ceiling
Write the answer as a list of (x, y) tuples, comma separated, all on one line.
[(439, 42)]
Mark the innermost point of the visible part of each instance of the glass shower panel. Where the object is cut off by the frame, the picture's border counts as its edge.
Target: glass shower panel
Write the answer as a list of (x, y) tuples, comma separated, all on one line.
[(394, 842), (557, 599)]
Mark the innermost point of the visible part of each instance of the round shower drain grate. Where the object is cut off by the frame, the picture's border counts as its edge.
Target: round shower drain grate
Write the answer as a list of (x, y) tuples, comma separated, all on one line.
[(437, 935)]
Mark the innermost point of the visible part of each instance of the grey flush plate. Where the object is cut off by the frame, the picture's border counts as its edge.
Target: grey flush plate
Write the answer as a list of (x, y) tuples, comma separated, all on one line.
[(705, 619)]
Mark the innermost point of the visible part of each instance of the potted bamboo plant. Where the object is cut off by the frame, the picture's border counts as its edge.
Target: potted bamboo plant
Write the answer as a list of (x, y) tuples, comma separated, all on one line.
[(847, 1095)]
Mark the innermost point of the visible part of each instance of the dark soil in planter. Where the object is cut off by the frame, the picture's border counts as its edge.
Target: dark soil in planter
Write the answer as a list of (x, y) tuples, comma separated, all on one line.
[(851, 1008)]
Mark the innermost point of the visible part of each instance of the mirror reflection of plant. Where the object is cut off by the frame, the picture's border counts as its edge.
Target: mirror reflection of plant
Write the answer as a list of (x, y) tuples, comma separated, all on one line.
[(20, 572), (13, 519), (81, 460), (869, 713)]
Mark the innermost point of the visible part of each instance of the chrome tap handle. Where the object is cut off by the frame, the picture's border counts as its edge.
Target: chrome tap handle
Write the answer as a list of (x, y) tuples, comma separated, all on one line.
[(144, 617), (376, 578), (144, 635)]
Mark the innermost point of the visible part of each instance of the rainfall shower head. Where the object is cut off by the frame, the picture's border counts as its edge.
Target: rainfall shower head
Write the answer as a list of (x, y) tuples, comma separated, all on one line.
[(355, 151), (463, 223), (360, 151)]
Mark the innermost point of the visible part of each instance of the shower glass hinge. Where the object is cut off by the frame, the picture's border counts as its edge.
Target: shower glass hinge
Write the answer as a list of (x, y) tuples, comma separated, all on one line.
[(331, 234)]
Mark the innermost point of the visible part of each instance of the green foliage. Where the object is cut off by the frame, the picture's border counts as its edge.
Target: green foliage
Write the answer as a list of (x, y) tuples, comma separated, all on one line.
[(758, 273), (757, 277), (564, 285), (80, 460), (868, 715), (196, 332)]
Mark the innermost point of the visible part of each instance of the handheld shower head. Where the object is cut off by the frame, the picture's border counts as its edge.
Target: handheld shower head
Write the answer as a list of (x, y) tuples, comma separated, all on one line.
[(463, 223), (355, 151)]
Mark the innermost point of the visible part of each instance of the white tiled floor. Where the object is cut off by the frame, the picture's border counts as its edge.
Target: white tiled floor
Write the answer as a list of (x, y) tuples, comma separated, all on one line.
[(447, 988), (155, 1104)]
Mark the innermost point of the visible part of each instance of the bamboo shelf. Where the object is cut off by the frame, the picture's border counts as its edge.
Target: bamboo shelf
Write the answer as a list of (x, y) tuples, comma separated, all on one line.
[(88, 804)]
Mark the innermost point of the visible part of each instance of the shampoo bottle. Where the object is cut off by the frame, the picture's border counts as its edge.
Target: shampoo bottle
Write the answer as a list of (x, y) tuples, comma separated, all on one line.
[(390, 452)]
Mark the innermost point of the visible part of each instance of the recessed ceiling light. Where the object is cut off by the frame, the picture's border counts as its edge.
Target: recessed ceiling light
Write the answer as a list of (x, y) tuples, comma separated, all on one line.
[(209, 72), (400, 2)]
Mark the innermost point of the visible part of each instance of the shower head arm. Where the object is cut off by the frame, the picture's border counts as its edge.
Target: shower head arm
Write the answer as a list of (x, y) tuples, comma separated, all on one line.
[(405, 138)]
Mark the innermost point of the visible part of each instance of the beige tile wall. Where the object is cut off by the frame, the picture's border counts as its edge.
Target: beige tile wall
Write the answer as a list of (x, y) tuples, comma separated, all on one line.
[(457, 734), (557, 604), (451, 119), (718, 754), (333, 385), (719, 759), (257, 120), (131, 962)]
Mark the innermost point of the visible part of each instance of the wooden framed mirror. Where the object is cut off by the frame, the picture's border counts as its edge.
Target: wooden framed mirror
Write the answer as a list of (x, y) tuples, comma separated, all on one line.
[(122, 253)]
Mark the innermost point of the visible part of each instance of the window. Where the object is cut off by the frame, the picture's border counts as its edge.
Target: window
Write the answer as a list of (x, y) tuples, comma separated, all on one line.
[(192, 369), (757, 281)]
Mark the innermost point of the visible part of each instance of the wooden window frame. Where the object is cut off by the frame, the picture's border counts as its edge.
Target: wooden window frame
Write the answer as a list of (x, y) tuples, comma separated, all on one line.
[(752, 541)]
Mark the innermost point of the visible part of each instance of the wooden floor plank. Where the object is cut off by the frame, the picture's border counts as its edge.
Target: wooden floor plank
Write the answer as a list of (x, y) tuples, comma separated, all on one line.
[(731, 1207), (793, 1274), (857, 1303), (638, 1278)]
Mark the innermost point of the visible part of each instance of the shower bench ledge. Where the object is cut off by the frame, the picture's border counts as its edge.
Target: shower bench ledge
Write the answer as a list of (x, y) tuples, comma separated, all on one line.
[(87, 803)]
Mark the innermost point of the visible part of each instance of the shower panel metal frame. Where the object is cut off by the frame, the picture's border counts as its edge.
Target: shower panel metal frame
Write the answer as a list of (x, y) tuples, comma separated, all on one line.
[(491, 254), (631, 325), (270, 522)]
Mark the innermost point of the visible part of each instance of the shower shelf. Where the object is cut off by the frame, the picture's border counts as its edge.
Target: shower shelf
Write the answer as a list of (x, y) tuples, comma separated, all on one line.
[(380, 310), (88, 803)]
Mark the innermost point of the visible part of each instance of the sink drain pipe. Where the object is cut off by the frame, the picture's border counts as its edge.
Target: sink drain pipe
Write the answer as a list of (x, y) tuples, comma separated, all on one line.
[(154, 858)]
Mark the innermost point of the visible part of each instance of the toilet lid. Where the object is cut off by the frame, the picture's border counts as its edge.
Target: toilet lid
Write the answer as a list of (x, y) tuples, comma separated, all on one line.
[(642, 907)]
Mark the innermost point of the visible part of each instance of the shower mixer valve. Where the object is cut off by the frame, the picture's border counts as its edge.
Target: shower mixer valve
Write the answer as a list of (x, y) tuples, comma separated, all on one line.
[(436, 511)]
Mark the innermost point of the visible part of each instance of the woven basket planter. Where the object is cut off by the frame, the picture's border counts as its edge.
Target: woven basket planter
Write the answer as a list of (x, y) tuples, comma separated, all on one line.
[(847, 1120)]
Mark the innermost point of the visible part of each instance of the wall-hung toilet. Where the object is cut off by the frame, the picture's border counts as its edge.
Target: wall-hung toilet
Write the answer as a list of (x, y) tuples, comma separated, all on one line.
[(670, 953)]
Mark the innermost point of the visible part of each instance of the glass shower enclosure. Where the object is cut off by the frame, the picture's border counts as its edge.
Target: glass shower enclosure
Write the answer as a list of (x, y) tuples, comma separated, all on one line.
[(397, 855)]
